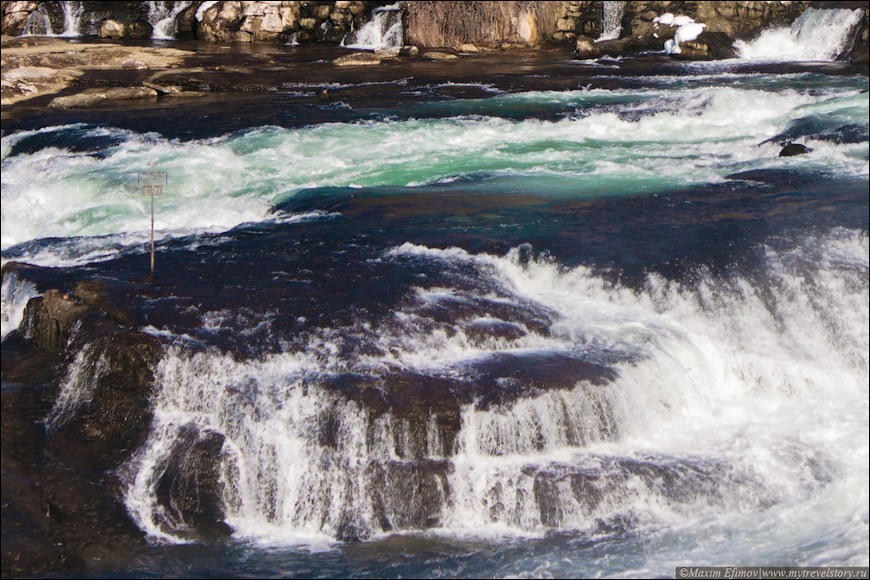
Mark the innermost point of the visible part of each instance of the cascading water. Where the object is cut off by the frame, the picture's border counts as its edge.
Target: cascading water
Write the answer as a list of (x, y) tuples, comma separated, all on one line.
[(383, 31), (611, 22), (299, 458), (163, 18), (817, 35), (38, 23), (72, 18), (506, 327), (16, 294)]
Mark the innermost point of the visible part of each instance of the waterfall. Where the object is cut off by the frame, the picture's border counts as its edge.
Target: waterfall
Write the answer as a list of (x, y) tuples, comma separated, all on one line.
[(383, 31), (38, 23), (16, 294), (611, 22), (72, 18), (162, 17), (817, 35)]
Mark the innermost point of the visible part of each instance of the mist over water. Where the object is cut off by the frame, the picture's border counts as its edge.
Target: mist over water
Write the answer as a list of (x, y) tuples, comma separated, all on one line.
[(484, 331)]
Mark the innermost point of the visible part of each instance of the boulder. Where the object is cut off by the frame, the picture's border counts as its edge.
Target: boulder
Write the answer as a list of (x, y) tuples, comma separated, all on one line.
[(221, 22), (438, 55), (190, 487), (792, 149), (15, 16), (708, 46), (137, 30), (586, 47), (95, 97), (359, 59)]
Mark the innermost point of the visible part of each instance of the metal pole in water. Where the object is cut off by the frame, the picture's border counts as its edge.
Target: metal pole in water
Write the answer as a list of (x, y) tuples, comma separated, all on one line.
[(152, 183)]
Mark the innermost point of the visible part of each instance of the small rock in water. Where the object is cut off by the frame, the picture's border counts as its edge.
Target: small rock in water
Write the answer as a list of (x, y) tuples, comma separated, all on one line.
[(792, 149)]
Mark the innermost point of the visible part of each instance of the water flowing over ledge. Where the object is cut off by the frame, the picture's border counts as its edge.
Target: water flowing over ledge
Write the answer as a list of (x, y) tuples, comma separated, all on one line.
[(493, 318)]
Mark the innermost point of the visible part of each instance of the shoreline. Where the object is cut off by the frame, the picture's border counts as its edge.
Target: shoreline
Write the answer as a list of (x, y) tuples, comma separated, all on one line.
[(37, 70)]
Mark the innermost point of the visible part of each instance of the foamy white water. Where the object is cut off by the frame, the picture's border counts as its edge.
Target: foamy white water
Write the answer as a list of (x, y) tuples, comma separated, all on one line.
[(383, 31), (645, 142), (758, 406), (817, 35), (162, 16), (15, 296)]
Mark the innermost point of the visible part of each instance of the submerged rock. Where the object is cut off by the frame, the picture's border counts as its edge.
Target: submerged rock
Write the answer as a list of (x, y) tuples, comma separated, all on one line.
[(792, 149), (94, 97), (359, 59), (136, 30)]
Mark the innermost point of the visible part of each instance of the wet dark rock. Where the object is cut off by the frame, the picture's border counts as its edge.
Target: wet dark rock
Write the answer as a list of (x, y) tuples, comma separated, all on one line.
[(49, 320), (792, 149), (409, 495), (61, 506), (684, 484), (190, 488), (54, 518), (102, 431)]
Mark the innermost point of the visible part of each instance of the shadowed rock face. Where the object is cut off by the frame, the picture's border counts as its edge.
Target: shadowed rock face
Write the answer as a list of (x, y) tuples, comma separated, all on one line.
[(792, 149), (58, 457), (189, 490)]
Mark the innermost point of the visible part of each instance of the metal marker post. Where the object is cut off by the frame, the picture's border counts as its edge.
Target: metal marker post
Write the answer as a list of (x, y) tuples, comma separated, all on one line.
[(152, 183)]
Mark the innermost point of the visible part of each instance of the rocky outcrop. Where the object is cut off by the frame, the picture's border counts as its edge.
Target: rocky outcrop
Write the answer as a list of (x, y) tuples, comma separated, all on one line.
[(724, 23), (190, 487), (430, 24), (32, 67), (708, 46), (451, 24), (15, 16), (737, 19), (136, 30), (81, 404), (234, 21)]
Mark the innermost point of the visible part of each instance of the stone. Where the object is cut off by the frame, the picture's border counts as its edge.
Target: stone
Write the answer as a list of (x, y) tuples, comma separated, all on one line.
[(708, 46), (792, 149), (566, 24), (189, 490), (137, 30), (358, 59), (438, 55), (93, 97), (308, 23), (321, 12), (585, 47)]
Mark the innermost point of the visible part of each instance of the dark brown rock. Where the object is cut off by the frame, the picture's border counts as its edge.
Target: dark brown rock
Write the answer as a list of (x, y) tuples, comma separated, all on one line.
[(49, 319), (190, 488), (792, 149), (136, 30)]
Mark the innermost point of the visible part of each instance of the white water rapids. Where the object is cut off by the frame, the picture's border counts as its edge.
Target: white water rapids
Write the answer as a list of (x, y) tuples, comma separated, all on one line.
[(743, 406)]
